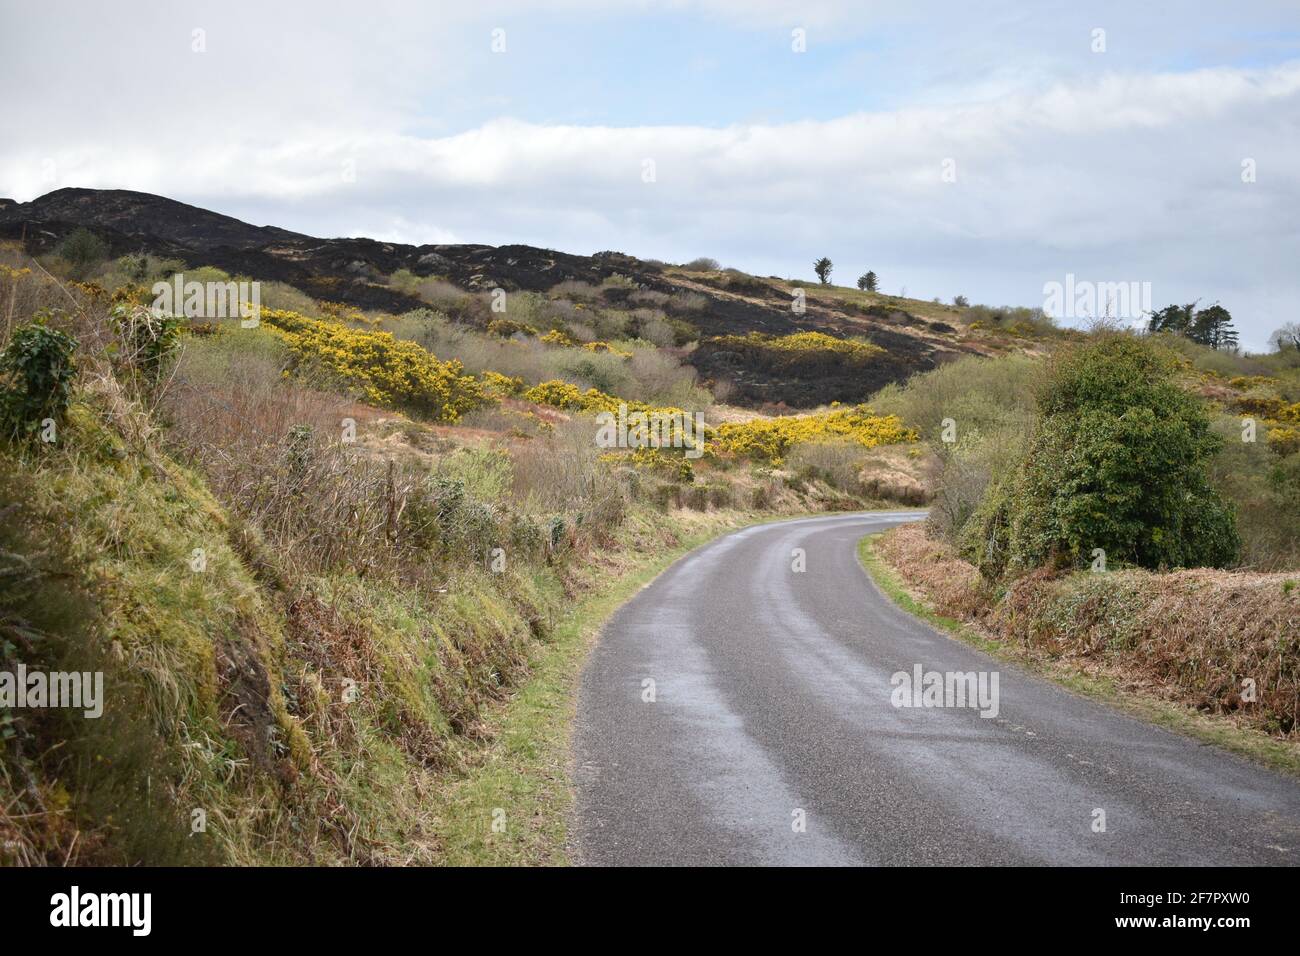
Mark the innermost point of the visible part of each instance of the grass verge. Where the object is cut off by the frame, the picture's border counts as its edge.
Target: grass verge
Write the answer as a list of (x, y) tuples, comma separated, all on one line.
[(520, 781), (1246, 742)]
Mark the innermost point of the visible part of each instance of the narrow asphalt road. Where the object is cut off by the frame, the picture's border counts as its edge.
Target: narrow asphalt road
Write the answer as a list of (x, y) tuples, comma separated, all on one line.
[(769, 736)]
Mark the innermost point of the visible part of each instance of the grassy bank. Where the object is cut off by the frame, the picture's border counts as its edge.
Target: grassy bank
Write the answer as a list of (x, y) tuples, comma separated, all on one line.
[(521, 782), (337, 588), (1221, 730), (312, 715)]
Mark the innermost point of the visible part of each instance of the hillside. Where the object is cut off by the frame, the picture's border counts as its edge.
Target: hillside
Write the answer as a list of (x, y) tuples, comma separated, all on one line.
[(913, 335), (340, 568), (338, 584)]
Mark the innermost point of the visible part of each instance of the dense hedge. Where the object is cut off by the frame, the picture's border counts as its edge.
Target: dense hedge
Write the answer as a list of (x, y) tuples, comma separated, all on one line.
[(1118, 462)]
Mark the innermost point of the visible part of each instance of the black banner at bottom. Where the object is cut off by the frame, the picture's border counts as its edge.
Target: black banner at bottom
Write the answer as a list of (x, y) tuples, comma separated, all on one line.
[(337, 905)]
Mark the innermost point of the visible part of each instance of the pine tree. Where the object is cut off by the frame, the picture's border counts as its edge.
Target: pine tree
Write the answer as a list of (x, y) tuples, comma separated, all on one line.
[(1172, 318), (1213, 327), (823, 268), (1210, 326), (868, 282)]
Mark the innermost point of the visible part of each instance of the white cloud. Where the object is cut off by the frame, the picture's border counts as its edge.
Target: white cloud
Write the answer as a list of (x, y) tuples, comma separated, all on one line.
[(1119, 176)]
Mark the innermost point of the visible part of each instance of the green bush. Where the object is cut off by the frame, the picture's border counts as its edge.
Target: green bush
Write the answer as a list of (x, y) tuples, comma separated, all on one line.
[(1017, 320), (37, 371), (1119, 461), (82, 250), (141, 269)]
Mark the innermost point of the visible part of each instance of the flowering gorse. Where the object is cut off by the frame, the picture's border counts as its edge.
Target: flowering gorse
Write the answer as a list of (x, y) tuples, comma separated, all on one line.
[(768, 439), (803, 344), (382, 369)]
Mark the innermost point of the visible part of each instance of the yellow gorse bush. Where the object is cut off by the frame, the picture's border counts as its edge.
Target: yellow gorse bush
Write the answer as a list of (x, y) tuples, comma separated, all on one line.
[(500, 384), (768, 439), (606, 347), (382, 369), (342, 312), (558, 338), (1269, 408), (1280, 419), (1284, 439), (560, 394), (504, 328), (1245, 382), (802, 343), (659, 460), (564, 395)]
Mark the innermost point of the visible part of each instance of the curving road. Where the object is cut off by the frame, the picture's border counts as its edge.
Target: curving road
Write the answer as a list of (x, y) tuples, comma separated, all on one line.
[(772, 706)]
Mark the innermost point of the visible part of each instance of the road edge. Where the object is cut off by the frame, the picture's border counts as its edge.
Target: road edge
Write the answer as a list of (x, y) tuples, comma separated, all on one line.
[(524, 777), (1252, 745)]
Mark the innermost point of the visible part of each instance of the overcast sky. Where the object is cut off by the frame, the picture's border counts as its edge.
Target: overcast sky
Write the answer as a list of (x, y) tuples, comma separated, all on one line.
[(683, 128)]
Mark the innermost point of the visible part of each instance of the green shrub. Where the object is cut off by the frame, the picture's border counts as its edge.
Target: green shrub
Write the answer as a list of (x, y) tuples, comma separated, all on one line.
[(1017, 320), (1119, 461), (720, 495), (37, 371), (486, 473), (82, 250), (140, 269), (990, 402)]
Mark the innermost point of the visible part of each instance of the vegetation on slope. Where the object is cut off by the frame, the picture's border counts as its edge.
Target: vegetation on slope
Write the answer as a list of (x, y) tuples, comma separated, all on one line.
[(1083, 505), (1116, 471), (326, 564), (770, 439), (385, 371), (319, 568), (1221, 642), (978, 416)]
